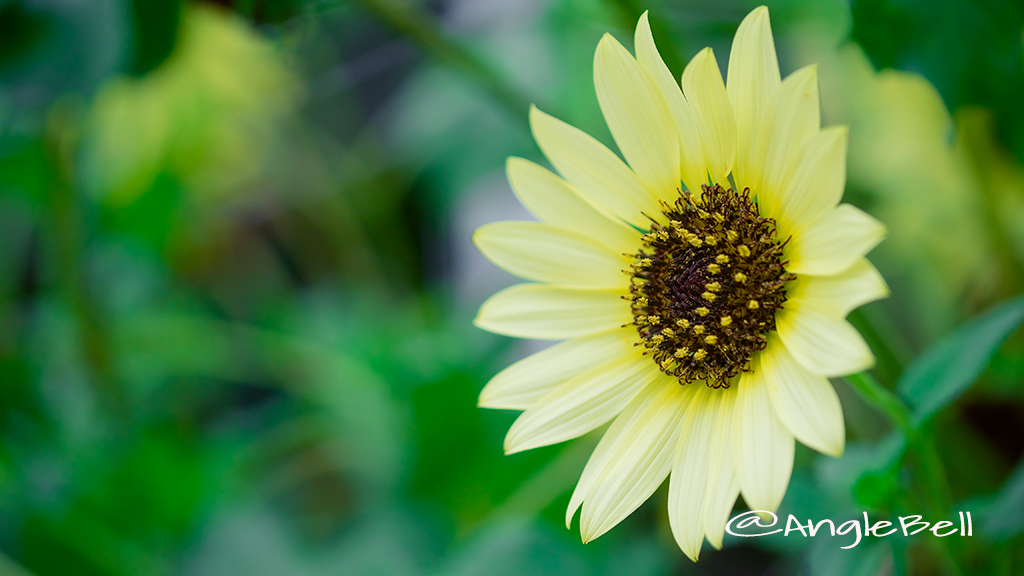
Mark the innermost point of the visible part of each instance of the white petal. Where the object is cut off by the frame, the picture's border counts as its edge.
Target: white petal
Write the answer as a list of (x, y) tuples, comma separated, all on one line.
[(793, 117), (833, 242), (553, 313), (753, 79), (822, 342), (637, 117), (764, 446), (633, 459), (537, 251), (692, 167), (817, 185), (723, 485), (838, 295), (520, 385), (805, 402), (581, 404), (593, 169), (558, 203), (705, 91), (687, 487)]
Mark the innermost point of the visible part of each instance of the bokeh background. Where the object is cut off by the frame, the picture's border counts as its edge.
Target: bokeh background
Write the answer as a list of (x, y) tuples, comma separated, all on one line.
[(237, 285)]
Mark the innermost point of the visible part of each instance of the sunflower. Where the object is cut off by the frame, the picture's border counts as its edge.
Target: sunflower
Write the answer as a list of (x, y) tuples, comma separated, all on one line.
[(700, 287)]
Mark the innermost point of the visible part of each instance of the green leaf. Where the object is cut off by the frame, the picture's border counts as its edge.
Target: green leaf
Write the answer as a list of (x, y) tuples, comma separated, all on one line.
[(1003, 518), (944, 371), (827, 558)]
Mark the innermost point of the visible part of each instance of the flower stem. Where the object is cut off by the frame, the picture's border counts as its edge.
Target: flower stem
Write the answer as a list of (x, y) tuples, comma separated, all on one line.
[(881, 398), (927, 464), (66, 229)]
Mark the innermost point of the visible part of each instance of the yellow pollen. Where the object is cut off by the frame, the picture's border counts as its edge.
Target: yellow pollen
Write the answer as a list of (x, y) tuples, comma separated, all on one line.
[(711, 339), (709, 296), (740, 277), (714, 268), (703, 311), (714, 286), (753, 305), (657, 338), (726, 320), (704, 215), (641, 320), (698, 329), (710, 240), (666, 362), (697, 242), (722, 259), (654, 319), (732, 235), (668, 332), (641, 301), (699, 355), (719, 217), (743, 250), (646, 262), (684, 323), (682, 352)]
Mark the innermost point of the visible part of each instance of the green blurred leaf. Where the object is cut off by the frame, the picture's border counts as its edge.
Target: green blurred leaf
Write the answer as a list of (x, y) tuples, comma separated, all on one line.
[(970, 51), (868, 473), (1003, 518), (869, 558), (156, 30), (517, 547), (946, 369)]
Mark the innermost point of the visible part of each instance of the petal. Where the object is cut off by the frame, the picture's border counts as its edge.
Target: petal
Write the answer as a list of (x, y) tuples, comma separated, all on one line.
[(793, 117), (520, 385), (593, 169), (833, 242), (817, 185), (583, 403), (687, 485), (838, 295), (541, 252), (637, 117), (632, 460), (805, 402), (723, 486), (705, 91), (551, 312), (764, 446), (558, 203), (823, 343), (753, 78), (692, 167)]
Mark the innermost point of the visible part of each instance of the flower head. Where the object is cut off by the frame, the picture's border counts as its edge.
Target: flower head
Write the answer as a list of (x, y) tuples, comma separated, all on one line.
[(701, 286)]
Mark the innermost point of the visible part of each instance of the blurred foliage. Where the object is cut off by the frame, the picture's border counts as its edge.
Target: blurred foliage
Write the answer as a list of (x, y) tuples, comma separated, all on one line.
[(236, 285)]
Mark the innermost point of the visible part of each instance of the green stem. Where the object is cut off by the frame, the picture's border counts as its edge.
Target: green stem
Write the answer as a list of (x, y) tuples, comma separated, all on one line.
[(881, 398), (67, 234), (927, 465), (422, 30)]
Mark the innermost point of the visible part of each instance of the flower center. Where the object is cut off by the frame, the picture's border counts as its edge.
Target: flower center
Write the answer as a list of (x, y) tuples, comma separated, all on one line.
[(706, 287)]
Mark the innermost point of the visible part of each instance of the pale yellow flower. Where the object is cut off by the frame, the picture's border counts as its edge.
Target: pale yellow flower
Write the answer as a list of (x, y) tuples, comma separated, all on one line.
[(712, 352)]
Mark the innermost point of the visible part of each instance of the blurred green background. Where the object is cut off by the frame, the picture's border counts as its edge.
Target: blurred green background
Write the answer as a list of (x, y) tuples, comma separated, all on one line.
[(236, 284)]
